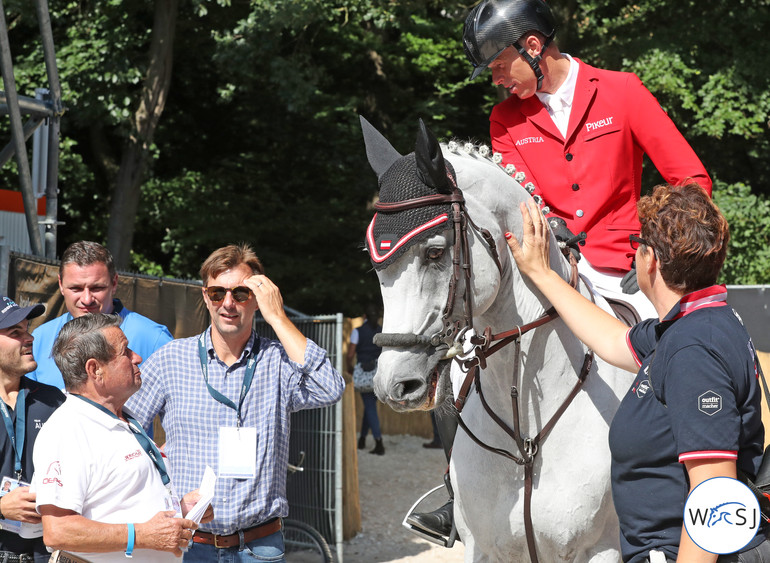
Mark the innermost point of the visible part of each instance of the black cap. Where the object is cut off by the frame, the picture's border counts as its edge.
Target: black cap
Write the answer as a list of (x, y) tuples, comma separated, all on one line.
[(11, 314)]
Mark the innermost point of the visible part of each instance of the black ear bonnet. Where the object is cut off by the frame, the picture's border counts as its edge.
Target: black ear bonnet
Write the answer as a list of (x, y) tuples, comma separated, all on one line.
[(400, 178)]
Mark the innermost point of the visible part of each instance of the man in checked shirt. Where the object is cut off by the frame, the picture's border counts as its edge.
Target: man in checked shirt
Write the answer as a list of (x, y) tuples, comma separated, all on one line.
[(225, 399)]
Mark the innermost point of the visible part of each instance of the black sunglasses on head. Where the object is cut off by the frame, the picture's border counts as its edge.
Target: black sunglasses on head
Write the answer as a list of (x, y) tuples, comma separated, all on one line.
[(636, 241), (240, 294)]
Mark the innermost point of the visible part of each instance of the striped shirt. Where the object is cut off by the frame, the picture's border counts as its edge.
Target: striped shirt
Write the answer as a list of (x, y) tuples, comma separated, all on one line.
[(173, 387)]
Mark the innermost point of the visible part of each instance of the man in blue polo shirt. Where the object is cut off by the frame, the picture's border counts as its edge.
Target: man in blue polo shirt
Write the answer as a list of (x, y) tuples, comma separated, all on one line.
[(88, 281)]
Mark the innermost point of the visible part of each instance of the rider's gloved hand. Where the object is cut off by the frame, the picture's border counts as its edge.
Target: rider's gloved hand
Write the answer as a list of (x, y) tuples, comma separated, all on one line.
[(564, 235), (629, 283)]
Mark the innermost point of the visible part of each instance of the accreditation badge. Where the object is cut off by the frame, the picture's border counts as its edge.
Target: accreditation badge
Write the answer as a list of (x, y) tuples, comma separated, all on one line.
[(238, 452), (172, 501)]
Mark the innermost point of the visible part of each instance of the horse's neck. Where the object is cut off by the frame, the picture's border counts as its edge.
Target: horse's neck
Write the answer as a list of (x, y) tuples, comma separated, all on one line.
[(549, 357), (495, 206)]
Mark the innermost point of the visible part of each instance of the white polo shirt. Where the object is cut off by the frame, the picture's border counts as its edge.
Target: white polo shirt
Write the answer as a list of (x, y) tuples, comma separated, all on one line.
[(91, 463)]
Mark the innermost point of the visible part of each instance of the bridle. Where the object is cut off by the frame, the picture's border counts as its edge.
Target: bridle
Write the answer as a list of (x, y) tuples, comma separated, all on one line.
[(453, 329), (485, 344)]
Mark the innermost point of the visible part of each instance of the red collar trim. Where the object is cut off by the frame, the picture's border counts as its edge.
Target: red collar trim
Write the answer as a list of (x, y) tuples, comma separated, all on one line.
[(714, 296), (380, 258)]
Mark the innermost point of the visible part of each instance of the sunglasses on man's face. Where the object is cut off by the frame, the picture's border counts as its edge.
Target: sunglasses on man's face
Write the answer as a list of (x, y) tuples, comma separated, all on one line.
[(217, 293)]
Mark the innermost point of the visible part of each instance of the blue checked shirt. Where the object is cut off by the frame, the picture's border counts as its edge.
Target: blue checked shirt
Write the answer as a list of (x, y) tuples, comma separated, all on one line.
[(173, 386)]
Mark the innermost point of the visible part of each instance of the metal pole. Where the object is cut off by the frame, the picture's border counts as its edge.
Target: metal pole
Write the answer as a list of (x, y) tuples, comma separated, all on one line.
[(338, 509), (30, 106), (29, 128), (52, 190), (5, 266), (52, 179), (17, 134)]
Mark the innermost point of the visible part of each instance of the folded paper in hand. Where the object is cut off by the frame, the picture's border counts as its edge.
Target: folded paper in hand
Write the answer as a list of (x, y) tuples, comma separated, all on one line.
[(206, 496)]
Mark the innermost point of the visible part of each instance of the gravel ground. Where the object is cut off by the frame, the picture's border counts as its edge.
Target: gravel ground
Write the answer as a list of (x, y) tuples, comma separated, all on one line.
[(389, 485)]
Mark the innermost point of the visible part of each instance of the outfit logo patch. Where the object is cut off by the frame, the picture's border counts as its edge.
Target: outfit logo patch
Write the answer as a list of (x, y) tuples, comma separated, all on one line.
[(8, 304), (386, 242), (52, 474), (641, 388), (710, 403), (528, 140), (593, 126), (721, 515)]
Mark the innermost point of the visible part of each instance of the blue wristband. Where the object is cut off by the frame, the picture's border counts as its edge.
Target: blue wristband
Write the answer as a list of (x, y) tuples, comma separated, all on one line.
[(131, 538)]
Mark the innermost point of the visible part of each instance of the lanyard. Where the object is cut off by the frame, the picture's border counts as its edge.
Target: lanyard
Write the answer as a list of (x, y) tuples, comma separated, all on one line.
[(251, 365), (147, 445), (16, 435)]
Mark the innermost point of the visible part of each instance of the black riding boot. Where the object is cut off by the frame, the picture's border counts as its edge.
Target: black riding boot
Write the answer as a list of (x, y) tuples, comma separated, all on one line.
[(439, 522)]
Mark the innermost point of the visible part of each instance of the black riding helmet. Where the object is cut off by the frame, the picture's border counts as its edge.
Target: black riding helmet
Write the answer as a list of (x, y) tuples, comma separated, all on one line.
[(494, 25)]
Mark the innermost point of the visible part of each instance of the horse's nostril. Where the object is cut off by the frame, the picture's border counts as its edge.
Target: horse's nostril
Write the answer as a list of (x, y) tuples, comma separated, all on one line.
[(406, 387)]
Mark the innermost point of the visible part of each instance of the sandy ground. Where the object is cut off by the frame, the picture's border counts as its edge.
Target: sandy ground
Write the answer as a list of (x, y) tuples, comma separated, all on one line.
[(389, 485)]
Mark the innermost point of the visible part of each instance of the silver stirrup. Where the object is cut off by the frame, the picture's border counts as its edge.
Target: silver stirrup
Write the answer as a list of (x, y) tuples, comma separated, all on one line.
[(431, 537)]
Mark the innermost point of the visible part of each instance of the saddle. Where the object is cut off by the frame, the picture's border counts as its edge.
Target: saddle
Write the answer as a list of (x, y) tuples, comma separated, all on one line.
[(624, 311)]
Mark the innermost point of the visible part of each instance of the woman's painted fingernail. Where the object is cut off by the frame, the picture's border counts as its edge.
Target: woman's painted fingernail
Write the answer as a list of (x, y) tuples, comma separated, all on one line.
[(508, 235)]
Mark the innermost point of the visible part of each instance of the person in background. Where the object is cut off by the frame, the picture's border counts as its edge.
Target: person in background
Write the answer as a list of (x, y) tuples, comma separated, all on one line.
[(88, 282), (26, 406), (664, 442), (225, 398), (435, 443), (103, 487), (363, 348)]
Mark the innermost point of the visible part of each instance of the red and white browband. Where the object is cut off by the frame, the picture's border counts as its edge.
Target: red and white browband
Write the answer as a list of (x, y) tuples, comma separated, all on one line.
[(380, 252)]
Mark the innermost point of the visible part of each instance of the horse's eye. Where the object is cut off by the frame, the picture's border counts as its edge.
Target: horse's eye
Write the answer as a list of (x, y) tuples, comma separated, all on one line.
[(435, 253)]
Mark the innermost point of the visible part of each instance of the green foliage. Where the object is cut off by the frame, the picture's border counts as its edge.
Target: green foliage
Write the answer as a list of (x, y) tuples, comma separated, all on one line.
[(748, 255), (260, 142)]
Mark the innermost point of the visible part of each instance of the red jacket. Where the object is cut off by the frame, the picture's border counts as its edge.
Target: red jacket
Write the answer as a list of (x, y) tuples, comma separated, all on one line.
[(593, 179)]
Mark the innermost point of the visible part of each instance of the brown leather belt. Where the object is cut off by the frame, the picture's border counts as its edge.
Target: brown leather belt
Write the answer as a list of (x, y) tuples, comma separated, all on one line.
[(234, 540)]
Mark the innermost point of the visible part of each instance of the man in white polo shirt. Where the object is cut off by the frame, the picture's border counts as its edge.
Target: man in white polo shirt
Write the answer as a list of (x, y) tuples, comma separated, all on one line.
[(102, 485)]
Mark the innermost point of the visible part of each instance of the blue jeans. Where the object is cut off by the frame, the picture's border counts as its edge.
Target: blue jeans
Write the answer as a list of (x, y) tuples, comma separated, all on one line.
[(370, 419), (269, 548)]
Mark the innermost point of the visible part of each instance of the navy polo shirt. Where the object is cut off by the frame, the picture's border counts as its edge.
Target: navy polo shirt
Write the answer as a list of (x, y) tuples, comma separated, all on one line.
[(40, 403), (696, 396)]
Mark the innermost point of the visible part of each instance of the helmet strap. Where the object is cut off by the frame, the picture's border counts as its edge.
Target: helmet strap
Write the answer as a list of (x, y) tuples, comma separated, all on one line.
[(534, 62)]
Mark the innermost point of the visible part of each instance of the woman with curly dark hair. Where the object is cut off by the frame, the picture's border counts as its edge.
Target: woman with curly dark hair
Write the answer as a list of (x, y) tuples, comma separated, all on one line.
[(693, 410)]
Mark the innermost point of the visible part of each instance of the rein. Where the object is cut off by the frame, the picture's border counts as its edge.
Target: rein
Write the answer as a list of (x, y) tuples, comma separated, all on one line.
[(484, 345), (528, 447)]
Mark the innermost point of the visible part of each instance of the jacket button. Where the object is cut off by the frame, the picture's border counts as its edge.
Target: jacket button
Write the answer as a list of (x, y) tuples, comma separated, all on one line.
[(575, 187), (579, 212), (568, 156)]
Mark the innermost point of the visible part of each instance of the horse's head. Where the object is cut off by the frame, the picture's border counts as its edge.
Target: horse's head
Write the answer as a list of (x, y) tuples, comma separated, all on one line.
[(420, 242)]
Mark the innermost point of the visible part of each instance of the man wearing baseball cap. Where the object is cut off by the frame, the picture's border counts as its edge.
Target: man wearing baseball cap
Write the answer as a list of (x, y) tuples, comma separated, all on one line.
[(25, 406)]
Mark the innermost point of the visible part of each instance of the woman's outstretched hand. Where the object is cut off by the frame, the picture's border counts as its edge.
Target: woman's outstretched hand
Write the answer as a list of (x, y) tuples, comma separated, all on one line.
[(532, 254)]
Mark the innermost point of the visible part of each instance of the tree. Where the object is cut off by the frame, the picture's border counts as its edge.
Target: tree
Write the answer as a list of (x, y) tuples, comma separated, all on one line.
[(144, 122), (259, 138)]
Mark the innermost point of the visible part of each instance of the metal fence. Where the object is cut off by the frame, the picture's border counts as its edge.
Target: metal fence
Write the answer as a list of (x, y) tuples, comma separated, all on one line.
[(315, 494)]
